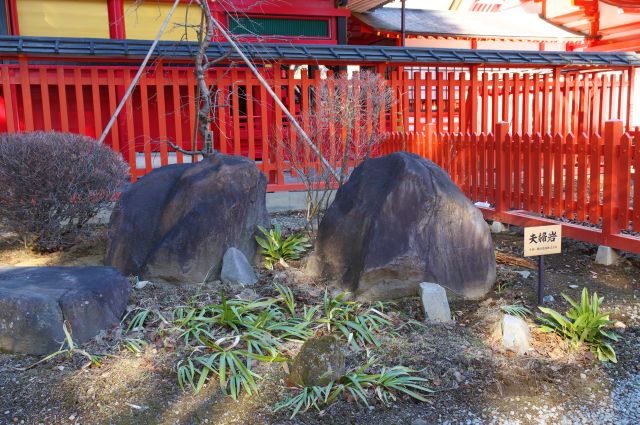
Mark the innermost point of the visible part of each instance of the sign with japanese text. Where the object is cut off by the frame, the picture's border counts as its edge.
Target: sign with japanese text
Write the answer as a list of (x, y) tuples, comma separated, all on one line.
[(542, 240)]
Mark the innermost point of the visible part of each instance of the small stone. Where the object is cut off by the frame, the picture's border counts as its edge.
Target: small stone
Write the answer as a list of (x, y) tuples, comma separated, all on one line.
[(236, 269), (573, 286), (525, 274), (515, 334), (620, 327), (141, 284), (583, 376), (606, 256), (548, 299), (419, 422), (458, 376), (435, 303), (497, 227)]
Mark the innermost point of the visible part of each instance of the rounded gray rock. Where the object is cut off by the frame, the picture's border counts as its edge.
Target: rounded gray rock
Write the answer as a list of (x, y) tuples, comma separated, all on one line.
[(35, 302), (176, 223), (399, 220)]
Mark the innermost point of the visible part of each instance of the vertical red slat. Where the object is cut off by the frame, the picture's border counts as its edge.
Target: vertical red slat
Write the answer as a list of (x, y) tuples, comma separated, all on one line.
[(80, 111), (146, 125), (536, 165), (95, 100), (440, 100), (506, 88), (291, 97), (570, 164), (25, 85), (515, 127), (612, 177), (251, 122), (62, 98), (545, 105), (191, 108), (162, 115), (277, 88), (473, 180), (623, 184), (583, 152), (485, 103), (636, 183), (131, 138), (605, 93), (46, 104), (482, 147), (235, 110), (517, 171), (404, 93), (596, 118), (428, 98), (8, 100), (495, 101), (547, 193), (491, 168), (451, 102), (566, 106), (576, 104), (594, 178), (222, 98), (556, 106), (473, 113), (115, 129), (536, 105), (417, 101), (558, 170), (177, 112), (264, 129), (526, 99), (462, 103), (527, 171)]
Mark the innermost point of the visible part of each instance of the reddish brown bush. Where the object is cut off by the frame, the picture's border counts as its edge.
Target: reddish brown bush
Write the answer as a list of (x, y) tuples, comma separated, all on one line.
[(52, 183)]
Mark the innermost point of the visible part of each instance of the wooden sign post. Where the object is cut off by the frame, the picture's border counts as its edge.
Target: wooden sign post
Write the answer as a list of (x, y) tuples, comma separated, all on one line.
[(540, 241)]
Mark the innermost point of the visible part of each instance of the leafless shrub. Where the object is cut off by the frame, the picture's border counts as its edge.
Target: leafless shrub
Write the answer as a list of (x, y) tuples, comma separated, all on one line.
[(52, 184), (343, 121)]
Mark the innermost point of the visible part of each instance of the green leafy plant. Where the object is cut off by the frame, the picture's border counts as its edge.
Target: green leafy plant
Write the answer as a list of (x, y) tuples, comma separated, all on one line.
[(276, 250), (516, 310), (584, 323), (360, 383), (352, 320)]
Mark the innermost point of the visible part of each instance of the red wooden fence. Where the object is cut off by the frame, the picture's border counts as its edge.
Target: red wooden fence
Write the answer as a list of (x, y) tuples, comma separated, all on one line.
[(81, 98), (588, 183)]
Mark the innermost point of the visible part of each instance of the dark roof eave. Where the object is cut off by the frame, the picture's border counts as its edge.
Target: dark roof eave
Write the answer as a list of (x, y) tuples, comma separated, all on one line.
[(48, 47)]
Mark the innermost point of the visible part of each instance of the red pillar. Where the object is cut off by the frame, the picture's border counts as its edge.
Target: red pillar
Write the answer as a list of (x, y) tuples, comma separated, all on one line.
[(116, 19)]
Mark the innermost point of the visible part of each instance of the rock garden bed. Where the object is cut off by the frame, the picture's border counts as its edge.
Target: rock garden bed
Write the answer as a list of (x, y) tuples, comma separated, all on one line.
[(473, 379)]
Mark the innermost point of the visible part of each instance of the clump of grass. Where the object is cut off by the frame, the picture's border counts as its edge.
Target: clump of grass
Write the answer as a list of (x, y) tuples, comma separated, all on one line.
[(223, 341), (584, 324), (363, 383), (275, 249)]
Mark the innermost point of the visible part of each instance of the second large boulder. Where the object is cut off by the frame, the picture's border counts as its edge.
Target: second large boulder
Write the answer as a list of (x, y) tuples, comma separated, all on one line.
[(177, 222), (398, 221)]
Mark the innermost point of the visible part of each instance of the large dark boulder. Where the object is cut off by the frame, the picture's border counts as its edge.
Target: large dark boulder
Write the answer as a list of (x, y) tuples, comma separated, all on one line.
[(35, 302), (399, 220), (177, 222)]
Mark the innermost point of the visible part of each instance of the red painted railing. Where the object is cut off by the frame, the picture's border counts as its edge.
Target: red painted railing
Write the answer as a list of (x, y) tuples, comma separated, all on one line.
[(588, 183), (81, 98)]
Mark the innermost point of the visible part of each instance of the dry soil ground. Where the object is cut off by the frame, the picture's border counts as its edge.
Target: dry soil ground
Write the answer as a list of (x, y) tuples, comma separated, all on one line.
[(474, 380)]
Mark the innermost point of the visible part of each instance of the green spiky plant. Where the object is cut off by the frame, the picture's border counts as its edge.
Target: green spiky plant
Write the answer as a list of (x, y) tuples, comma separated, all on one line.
[(516, 310), (275, 249), (385, 384), (584, 324)]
